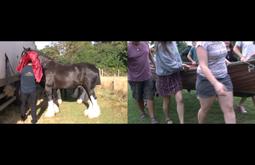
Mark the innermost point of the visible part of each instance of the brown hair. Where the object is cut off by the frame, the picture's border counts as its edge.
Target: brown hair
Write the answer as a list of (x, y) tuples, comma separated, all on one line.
[(164, 46)]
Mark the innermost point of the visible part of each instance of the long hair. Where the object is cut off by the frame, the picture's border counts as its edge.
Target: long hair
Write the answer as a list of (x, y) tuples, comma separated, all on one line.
[(163, 44)]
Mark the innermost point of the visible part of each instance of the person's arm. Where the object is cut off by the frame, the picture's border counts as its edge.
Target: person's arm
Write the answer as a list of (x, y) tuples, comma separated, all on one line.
[(151, 59), (237, 51), (227, 62), (190, 59), (203, 63)]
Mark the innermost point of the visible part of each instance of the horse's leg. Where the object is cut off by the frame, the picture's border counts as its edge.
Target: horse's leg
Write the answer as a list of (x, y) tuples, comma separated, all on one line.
[(85, 99), (87, 102), (50, 110), (82, 96), (59, 96), (75, 94), (94, 94), (55, 106), (94, 110)]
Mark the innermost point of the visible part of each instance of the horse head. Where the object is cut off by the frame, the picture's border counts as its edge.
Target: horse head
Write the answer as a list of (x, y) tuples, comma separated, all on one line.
[(25, 50)]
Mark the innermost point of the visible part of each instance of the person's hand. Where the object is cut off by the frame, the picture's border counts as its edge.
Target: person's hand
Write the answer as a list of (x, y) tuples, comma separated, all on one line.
[(220, 89), (194, 63), (185, 67), (228, 62), (243, 59)]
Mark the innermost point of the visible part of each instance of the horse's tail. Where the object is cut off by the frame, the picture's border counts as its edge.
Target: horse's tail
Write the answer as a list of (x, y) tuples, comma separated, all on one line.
[(87, 91)]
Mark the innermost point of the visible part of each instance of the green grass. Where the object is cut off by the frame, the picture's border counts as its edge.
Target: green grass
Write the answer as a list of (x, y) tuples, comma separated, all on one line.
[(215, 115), (113, 111)]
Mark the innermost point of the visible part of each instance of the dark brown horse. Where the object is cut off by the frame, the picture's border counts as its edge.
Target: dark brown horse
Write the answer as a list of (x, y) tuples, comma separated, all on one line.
[(70, 76)]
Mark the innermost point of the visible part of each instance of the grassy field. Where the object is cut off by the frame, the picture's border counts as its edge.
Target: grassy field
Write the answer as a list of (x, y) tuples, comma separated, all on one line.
[(113, 110), (191, 103)]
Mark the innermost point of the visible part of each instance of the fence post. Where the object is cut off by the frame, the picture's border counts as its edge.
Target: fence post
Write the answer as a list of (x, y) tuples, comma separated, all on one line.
[(113, 83)]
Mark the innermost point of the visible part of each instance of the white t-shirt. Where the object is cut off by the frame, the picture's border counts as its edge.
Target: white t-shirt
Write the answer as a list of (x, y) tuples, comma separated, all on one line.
[(247, 48)]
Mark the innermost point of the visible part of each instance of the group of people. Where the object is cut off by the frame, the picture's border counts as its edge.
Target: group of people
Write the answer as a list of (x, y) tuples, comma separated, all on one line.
[(213, 81)]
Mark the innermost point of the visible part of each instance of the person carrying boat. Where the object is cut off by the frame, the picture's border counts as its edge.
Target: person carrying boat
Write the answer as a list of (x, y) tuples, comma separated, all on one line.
[(192, 56), (30, 73), (231, 56), (214, 81), (168, 67), (246, 51), (140, 77)]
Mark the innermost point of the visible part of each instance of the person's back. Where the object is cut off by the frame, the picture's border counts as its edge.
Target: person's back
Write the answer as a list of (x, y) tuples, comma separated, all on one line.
[(27, 80), (28, 92)]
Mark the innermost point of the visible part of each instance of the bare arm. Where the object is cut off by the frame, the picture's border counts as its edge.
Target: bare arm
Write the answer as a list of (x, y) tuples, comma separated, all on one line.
[(203, 63), (238, 52), (190, 59), (151, 58), (227, 62)]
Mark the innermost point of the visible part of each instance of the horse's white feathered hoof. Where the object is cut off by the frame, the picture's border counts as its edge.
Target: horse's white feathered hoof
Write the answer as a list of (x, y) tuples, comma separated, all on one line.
[(49, 114), (50, 110), (94, 112), (59, 101), (86, 112), (56, 108), (93, 115), (79, 101)]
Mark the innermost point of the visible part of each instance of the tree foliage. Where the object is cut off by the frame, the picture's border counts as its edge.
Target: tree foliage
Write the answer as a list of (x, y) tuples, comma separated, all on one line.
[(110, 56)]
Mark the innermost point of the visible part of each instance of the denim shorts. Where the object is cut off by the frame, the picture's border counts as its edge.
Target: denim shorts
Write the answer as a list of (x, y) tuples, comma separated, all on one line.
[(143, 89), (205, 89)]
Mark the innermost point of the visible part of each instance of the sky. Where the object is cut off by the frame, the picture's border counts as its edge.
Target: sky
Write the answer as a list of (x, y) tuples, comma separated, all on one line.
[(41, 44)]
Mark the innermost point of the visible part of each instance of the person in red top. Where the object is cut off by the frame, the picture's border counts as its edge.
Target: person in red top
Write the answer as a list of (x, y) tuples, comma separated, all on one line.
[(33, 56), (31, 73)]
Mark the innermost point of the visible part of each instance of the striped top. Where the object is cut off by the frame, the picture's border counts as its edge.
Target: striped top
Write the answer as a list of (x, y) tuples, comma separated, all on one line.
[(216, 51), (247, 48)]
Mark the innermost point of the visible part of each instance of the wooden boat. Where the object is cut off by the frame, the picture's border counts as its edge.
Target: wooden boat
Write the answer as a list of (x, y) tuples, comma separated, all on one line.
[(242, 75)]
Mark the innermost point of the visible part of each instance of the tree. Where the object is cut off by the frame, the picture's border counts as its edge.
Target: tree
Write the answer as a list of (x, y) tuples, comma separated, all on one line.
[(109, 56), (51, 52), (182, 45)]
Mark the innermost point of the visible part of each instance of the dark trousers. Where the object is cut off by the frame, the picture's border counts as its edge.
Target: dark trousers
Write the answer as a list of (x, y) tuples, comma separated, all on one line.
[(29, 98)]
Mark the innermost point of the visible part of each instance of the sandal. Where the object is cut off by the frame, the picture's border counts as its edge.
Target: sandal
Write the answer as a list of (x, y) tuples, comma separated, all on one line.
[(143, 116), (154, 121), (169, 121)]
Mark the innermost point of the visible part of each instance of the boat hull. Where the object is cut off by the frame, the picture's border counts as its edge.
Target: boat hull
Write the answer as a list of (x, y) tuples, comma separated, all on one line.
[(242, 77)]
